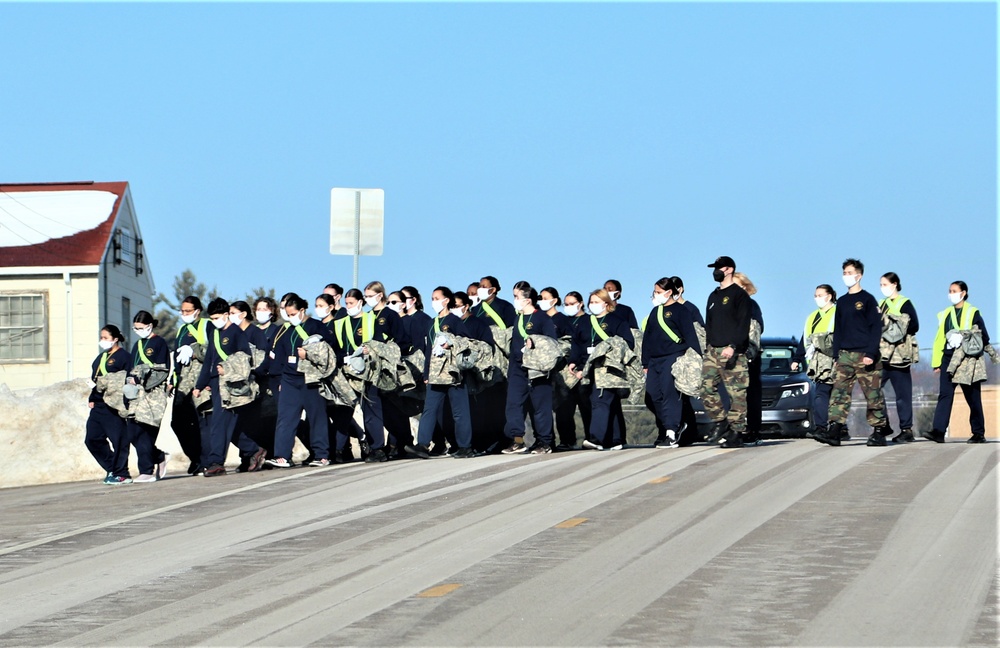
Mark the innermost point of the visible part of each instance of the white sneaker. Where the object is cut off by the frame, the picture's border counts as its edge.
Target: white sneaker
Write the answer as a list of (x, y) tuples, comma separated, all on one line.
[(617, 447), (590, 445), (144, 479), (161, 468), (280, 462)]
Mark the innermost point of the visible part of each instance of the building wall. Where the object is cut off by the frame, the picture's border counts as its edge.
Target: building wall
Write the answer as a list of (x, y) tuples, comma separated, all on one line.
[(62, 364)]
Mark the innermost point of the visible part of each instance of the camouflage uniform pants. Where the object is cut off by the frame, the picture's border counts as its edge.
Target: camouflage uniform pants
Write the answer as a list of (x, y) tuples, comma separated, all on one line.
[(850, 369), (736, 379)]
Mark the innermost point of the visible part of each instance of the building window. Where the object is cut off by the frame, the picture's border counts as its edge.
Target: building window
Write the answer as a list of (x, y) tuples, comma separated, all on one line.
[(127, 321), (123, 247), (23, 333)]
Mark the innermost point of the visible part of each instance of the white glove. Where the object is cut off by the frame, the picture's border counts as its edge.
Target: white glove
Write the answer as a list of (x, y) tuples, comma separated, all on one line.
[(184, 354), (810, 352), (954, 339)]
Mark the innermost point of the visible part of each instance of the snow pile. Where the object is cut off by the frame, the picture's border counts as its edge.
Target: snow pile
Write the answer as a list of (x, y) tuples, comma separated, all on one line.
[(33, 217)]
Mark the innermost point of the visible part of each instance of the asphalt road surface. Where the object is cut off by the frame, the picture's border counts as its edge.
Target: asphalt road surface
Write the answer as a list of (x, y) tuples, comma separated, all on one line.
[(789, 543)]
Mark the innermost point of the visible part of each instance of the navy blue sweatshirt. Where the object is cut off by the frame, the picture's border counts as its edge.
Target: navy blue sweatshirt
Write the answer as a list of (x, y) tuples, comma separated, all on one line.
[(288, 344), (416, 327), (389, 326), (503, 308), (231, 340), (564, 325), (538, 323), (269, 331), (655, 341), (258, 340), (477, 329), (585, 336), (695, 313), (154, 348), (906, 309), (857, 325), (120, 360), (727, 319), (627, 314), (450, 324)]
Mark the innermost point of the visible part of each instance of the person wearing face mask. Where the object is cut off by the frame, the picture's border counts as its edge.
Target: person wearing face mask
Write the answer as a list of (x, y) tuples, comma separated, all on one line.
[(265, 316), (819, 325), (251, 418), (668, 332), (341, 425), (754, 387), (579, 396), (457, 397), (960, 318), (296, 396), (220, 425), (492, 402), (521, 390), (472, 291), (547, 303), (189, 352), (856, 337), (336, 292), (606, 430), (896, 368), (107, 437), (689, 419), (149, 349), (727, 335), (614, 289), (476, 329)]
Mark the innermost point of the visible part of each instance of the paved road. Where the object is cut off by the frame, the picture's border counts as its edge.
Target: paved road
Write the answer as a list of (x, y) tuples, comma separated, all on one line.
[(790, 543)]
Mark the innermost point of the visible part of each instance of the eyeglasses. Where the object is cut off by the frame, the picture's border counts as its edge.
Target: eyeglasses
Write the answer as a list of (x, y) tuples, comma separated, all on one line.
[(394, 301)]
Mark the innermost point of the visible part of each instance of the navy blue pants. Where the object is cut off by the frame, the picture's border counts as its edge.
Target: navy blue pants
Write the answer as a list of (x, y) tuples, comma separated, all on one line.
[(186, 424), (902, 384), (661, 389), (606, 417), (342, 422), (434, 403), (538, 393), (371, 412), (821, 405), (104, 426), (946, 398), (397, 423), (579, 396), (143, 437), (295, 399), (219, 429)]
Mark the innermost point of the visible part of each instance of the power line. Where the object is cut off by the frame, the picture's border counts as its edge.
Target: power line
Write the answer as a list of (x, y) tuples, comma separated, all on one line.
[(38, 247)]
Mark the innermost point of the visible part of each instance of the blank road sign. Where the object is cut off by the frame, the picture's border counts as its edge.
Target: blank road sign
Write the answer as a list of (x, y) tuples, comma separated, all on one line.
[(343, 221)]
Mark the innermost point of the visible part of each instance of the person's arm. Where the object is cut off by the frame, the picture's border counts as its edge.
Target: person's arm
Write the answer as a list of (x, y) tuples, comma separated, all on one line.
[(978, 321), (873, 321), (914, 325)]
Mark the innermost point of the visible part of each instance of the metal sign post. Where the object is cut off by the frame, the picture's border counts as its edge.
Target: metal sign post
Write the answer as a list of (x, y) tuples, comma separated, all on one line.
[(356, 223)]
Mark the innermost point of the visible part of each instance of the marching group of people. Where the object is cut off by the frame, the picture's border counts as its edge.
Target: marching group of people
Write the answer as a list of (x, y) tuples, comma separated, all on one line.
[(480, 367)]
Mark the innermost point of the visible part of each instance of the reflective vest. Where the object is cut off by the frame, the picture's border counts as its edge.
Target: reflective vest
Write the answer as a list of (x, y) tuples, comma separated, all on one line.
[(961, 323), (824, 325), (894, 307), (493, 315), (367, 330)]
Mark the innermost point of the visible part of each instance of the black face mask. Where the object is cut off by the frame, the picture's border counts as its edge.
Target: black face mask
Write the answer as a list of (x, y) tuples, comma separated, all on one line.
[(718, 275)]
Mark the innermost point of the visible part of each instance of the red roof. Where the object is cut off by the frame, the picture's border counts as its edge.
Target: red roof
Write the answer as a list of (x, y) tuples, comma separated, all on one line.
[(81, 249)]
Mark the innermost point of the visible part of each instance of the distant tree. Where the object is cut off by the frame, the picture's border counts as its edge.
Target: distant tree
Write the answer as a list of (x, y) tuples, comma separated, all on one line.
[(168, 308), (258, 292)]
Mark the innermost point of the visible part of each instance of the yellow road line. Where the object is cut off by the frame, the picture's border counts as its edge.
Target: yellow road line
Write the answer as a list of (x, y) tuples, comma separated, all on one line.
[(439, 590), (659, 480), (570, 523)]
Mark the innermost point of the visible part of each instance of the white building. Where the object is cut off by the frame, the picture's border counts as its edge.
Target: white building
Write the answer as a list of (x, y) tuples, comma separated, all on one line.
[(71, 261)]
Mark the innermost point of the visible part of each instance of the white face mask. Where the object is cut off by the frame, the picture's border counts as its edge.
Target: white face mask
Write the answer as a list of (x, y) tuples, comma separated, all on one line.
[(955, 298), (189, 319), (106, 344), (438, 305), (571, 310), (520, 304), (458, 311), (263, 317), (220, 322), (236, 318), (614, 294), (410, 304), (850, 280), (397, 308), (475, 300), (483, 293), (284, 315), (321, 313), (373, 301), (659, 299), (598, 308), (296, 319), (546, 304), (888, 290), (355, 311), (821, 302), (144, 333)]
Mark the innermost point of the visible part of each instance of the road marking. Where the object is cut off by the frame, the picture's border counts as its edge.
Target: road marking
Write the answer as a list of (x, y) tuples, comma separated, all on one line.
[(659, 480), (570, 523), (439, 590)]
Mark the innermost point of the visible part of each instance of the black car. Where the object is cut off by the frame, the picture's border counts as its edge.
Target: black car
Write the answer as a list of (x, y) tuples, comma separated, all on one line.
[(786, 396)]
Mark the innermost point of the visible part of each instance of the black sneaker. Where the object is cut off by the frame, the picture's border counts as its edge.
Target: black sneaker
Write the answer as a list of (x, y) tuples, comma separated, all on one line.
[(514, 448), (845, 435), (365, 450), (215, 470), (344, 456), (905, 436), (376, 456), (977, 438), (731, 440), (419, 451), (439, 450), (563, 447), (193, 468), (464, 453), (540, 448), (717, 431), (876, 439), (933, 435)]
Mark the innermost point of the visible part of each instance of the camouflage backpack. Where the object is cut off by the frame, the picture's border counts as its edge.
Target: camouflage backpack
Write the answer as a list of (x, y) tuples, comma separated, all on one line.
[(687, 373)]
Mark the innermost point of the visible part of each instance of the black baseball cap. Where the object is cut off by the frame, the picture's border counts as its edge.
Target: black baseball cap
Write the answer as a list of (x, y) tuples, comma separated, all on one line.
[(723, 262)]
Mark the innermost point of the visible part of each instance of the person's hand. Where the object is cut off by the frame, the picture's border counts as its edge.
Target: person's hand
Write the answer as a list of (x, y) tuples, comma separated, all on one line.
[(91, 405), (936, 371), (795, 366), (196, 393), (866, 361), (302, 353), (425, 382), (645, 370), (364, 350), (527, 343), (728, 352), (222, 371)]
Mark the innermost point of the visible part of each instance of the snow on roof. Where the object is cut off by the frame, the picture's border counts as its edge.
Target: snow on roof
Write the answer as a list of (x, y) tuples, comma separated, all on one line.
[(57, 224)]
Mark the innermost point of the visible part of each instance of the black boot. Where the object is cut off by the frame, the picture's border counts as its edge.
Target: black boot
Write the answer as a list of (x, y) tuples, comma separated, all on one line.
[(933, 435), (976, 438), (831, 436), (878, 436), (905, 436), (716, 432)]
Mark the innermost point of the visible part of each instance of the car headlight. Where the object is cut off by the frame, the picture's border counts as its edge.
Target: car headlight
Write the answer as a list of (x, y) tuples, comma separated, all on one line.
[(795, 390)]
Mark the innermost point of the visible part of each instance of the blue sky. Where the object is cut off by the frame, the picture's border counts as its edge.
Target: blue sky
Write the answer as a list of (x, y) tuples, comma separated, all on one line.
[(562, 144)]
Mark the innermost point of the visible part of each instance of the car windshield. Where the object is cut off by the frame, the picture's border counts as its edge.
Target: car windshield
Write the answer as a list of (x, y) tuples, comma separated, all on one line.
[(776, 360)]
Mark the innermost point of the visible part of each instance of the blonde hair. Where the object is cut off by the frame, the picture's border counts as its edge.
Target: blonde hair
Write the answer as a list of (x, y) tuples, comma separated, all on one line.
[(376, 286), (744, 282), (604, 296)]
